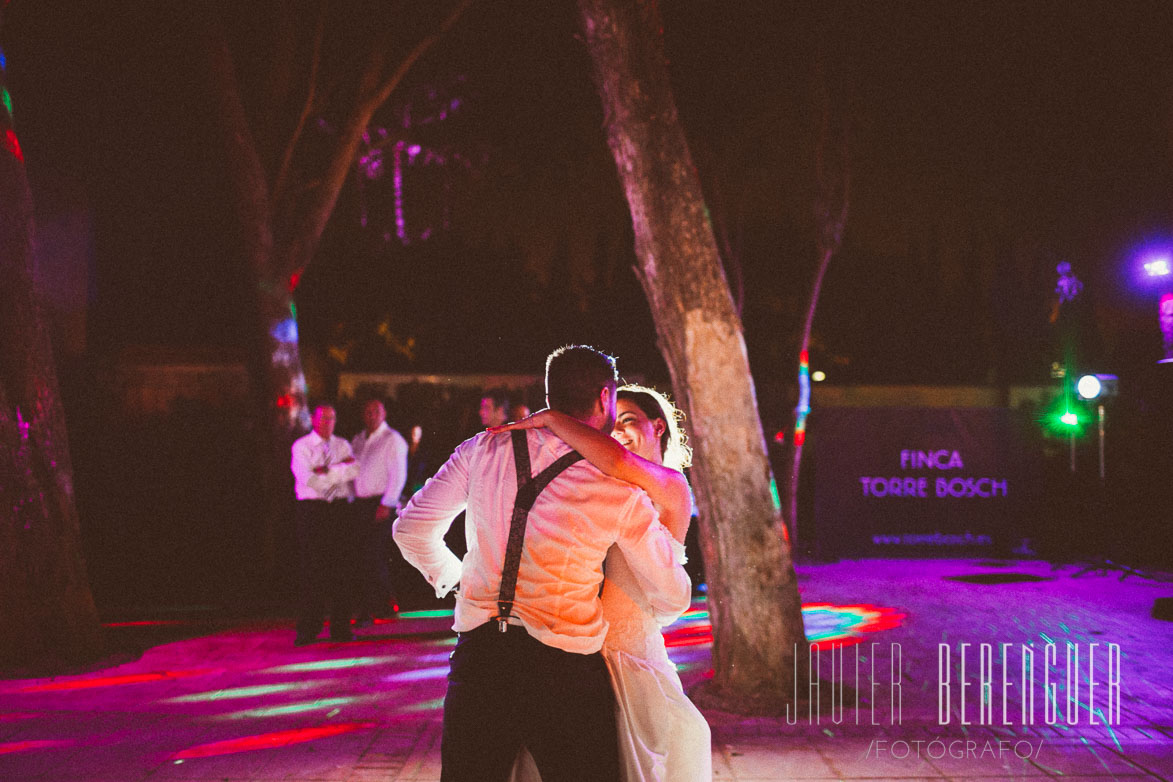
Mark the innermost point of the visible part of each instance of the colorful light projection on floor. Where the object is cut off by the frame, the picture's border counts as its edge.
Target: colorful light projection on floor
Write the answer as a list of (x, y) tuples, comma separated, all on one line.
[(113, 681), (826, 625), (257, 691), (13, 716), (152, 623), (440, 614), (433, 705), (291, 708), (831, 625), (334, 665), (422, 674), (691, 629), (281, 738), (25, 746)]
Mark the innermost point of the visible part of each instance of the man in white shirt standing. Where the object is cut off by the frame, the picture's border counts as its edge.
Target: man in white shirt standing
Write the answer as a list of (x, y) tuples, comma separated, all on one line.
[(526, 670), (382, 471), (323, 468)]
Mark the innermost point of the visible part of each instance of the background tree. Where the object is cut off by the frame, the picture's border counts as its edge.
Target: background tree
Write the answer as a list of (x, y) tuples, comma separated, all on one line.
[(753, 592), (46, 608), (291, 127), (832, 184)]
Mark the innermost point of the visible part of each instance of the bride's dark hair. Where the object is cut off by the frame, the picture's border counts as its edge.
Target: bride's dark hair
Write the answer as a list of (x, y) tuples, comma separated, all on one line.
[(674, 446)]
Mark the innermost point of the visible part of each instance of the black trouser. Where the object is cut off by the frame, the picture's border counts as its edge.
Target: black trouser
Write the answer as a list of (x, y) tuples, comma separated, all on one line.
[(507, 690), (327, 544), (375, 589)]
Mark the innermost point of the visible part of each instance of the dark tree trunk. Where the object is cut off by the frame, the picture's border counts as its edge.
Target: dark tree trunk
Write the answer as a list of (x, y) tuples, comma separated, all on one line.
[(47, 613), (282, 211), (753, 593), (279, 388), (833, 183)]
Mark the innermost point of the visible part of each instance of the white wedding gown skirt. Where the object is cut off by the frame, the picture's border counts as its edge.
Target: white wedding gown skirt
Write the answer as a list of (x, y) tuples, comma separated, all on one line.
[(663, 737)]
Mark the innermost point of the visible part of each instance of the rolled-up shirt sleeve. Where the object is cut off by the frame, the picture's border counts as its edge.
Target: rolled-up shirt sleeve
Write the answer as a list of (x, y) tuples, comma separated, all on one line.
[(648, 548), (419, 530)]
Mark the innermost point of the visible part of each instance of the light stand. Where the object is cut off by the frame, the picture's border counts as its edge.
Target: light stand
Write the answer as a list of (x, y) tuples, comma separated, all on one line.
[(1099, 388), (1101, 420)]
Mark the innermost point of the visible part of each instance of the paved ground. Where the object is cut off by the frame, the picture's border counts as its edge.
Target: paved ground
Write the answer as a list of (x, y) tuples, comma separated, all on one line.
[(241, 703)]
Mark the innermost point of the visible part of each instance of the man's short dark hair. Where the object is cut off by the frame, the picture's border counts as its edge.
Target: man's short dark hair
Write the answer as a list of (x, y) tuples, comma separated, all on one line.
[(574, 376), (499, 396)]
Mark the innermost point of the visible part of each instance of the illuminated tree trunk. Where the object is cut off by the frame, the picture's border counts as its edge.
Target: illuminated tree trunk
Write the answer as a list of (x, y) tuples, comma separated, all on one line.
[(753, 593), (47, 613), (833, 182)]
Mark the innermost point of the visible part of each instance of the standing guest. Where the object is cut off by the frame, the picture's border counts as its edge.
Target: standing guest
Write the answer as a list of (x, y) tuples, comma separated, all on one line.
[(323, 468), (527, 671), (494, 409), (382, 471), (520, 411), (417, 465)]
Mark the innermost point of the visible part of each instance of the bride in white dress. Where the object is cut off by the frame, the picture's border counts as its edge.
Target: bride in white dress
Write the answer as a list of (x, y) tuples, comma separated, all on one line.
[(663, 737)]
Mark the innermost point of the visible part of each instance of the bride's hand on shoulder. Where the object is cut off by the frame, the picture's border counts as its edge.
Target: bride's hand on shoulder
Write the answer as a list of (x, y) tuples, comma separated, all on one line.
[(536, 420)]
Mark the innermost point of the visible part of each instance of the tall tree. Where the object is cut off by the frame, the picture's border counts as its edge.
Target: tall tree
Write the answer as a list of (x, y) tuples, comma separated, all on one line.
[(753, 592), (292, 100), (832, 198), (46, 608)]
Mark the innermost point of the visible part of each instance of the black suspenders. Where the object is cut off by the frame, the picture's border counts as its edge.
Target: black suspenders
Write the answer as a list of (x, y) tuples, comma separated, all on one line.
[(528, 489)]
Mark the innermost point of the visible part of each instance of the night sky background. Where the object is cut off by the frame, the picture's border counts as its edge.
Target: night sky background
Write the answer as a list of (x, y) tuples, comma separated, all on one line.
[(988, 142)]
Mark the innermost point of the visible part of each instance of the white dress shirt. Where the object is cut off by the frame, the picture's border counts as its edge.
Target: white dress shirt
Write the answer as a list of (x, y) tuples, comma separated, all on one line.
[(575, 520), (382, 464), (312, 451)]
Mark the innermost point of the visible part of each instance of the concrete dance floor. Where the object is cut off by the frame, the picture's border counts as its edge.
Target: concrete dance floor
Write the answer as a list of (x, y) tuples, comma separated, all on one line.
[(241, 703)]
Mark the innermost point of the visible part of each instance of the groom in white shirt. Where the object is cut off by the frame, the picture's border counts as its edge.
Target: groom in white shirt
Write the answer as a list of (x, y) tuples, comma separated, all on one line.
[(527, 670)]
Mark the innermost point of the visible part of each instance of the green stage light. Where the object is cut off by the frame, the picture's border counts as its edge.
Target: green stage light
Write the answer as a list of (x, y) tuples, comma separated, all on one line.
[(1064, 419)]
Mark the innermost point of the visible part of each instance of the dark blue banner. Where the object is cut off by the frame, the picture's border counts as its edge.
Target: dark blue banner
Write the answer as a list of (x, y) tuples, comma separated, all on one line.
[(921, 481)]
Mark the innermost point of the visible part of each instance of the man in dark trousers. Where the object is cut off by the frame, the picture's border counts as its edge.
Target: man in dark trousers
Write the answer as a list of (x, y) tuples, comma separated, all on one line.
[(323, 469), (527, 670), (382, 470)]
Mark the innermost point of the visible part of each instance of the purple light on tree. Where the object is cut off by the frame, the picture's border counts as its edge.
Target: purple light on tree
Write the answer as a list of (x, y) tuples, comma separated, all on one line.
[(1156, 265), (422, 166), (400, 222), (1068, 285), (1165, 316)]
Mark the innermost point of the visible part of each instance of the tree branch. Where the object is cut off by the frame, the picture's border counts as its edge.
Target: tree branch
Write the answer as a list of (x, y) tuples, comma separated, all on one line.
[(321, 202), (392, 81), (307, 108)]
